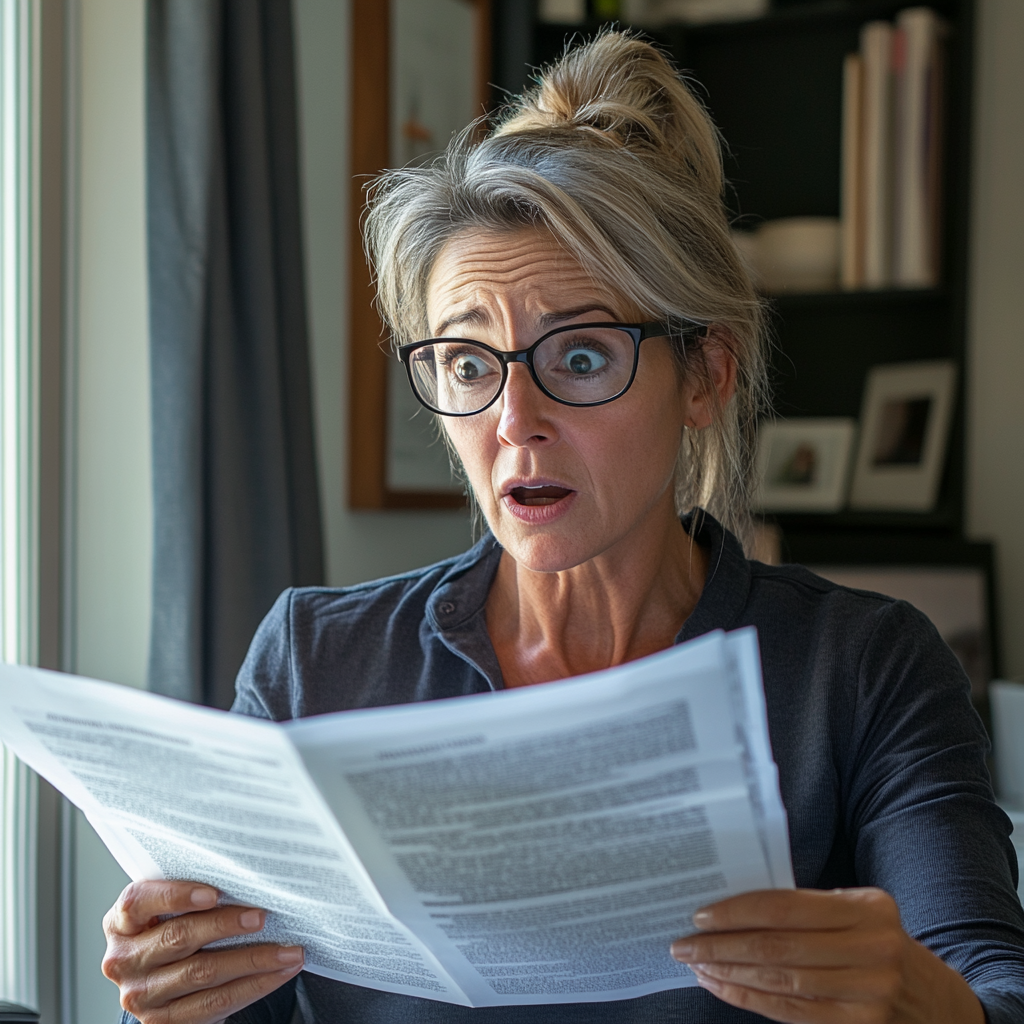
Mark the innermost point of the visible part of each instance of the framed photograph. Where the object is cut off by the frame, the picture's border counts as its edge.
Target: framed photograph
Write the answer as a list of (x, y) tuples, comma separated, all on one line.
[(905, 421), (420, 71), (803, 464), (957, 598)]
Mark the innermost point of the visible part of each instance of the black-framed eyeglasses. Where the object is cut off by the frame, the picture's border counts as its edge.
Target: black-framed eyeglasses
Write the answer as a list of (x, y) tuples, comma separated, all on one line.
[(583, 364)]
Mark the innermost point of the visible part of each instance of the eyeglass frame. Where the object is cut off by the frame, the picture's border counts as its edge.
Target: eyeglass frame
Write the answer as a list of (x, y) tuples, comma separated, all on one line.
[(638, 332)]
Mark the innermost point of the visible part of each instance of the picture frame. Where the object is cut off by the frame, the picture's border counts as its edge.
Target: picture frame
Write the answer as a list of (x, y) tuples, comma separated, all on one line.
[(803, 465), (396, 457), (906, 416)]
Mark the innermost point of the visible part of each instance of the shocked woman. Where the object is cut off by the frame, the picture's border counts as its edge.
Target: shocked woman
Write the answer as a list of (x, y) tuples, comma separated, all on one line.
[(567, 300)]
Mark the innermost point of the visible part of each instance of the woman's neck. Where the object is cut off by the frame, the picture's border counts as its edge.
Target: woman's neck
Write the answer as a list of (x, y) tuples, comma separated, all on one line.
[(629, 601)]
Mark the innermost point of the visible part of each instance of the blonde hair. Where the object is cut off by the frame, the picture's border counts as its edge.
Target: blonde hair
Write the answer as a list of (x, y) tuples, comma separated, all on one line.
[(613, 155)]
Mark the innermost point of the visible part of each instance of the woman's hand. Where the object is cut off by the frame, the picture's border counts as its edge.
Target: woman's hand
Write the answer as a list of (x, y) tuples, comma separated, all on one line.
[(160, 968), (813, 957)]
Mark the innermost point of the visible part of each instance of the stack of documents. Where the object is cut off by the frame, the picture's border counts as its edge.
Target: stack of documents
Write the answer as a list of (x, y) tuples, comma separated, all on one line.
[(538, 845)]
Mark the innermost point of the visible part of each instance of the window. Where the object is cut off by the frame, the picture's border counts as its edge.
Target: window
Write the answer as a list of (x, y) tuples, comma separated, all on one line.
[(19, 372)]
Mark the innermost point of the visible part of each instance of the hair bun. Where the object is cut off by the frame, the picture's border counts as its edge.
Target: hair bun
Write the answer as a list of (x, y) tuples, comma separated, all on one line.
[(625, 91)]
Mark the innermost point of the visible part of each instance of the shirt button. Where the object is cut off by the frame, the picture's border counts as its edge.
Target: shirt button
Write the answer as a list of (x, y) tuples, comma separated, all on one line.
[(446, 607)]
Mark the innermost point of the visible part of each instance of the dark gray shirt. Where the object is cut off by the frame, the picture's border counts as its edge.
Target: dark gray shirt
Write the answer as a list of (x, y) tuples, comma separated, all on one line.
[(881, 756)]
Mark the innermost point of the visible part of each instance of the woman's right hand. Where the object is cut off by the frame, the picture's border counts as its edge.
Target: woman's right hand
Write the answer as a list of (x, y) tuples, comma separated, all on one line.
[(166, 977)]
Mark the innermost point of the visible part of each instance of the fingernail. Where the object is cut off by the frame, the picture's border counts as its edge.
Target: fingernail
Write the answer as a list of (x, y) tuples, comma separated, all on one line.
[(250, 919), (702, 919), (290, 955), (682, 950), (204, 897)]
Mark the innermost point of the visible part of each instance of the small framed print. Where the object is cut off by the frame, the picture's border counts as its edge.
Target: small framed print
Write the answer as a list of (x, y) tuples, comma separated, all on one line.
[(803, 464), (905, 421)]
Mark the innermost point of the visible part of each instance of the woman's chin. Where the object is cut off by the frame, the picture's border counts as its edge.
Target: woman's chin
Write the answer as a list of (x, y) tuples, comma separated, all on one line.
[(551, 551), (544, 561)]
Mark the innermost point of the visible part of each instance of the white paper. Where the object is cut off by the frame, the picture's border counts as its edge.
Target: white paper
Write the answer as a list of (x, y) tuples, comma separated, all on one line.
[(177, 791), (538, 845)]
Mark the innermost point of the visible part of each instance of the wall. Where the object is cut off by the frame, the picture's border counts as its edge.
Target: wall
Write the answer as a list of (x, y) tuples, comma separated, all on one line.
[(360, 545), (111, 504), (995, 461)]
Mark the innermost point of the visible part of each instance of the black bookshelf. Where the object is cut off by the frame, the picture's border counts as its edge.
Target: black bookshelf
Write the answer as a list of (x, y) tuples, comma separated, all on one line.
[(774, 87)]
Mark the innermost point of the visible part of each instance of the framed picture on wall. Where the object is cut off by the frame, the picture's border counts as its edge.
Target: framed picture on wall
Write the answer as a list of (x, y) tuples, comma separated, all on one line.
[(422, 68), (905, 421), (803, 464)]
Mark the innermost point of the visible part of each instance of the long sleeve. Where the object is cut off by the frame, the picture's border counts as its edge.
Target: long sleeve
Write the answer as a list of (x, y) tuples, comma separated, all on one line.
[(921, 814)]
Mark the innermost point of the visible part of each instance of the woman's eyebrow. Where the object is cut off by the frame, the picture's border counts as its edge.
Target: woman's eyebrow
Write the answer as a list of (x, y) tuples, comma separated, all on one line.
[(553, 319), (478, 316), (470, 316)]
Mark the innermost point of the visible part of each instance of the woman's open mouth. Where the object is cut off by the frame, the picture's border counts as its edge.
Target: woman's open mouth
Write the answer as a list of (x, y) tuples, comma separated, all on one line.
[(545, 495), (543, 503)]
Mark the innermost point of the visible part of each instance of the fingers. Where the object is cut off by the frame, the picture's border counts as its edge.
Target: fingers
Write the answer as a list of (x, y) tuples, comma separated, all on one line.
[(206, 971), (857, 985), (801, 956), (141, 903), (155, 937), (798, 909), (789, 948), (176, 939), (210, 1005), (215, 1004)]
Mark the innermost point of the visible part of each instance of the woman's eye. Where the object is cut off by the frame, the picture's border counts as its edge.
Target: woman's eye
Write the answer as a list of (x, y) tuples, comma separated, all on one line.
[(583, 360), (469, 368)]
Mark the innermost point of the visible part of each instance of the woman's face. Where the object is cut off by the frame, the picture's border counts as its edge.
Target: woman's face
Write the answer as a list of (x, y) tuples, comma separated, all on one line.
[(559, 485)]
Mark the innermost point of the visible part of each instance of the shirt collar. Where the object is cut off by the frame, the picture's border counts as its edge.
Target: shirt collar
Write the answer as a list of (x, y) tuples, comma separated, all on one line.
[(727, 587), (456, 608)]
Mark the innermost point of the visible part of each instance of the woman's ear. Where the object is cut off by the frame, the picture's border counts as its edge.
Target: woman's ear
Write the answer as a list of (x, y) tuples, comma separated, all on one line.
[(713, 388)]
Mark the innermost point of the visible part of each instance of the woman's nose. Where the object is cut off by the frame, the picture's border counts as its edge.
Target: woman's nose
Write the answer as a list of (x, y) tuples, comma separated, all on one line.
[(523, 420)]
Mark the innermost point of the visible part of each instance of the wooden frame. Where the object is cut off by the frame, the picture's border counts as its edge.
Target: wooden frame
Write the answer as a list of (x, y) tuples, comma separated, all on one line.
[(368, 376)]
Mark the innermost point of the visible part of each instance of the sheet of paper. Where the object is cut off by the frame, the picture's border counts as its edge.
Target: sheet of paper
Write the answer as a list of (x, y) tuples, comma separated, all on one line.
[(539, 845), (177, 791), (762, 772), (549, 843)]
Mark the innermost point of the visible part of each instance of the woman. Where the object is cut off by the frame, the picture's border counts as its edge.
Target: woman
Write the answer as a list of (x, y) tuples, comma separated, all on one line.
[(600, 372)]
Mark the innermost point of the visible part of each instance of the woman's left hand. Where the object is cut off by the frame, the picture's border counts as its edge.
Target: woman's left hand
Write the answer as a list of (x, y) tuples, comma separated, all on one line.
[(811, 957)]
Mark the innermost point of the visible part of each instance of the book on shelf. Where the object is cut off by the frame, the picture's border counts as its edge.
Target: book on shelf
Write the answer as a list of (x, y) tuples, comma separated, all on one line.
[(893, 112), (876, 177), (852, 269), (917, 206)]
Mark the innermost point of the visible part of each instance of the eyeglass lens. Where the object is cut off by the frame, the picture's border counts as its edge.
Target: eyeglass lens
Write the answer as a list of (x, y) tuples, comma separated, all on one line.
[(581, 367)]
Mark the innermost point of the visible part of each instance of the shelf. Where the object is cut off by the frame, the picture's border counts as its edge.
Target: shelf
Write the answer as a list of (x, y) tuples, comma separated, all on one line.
[(939, 521), (881, 548), (785, 18), (862, 299), (809, 13)]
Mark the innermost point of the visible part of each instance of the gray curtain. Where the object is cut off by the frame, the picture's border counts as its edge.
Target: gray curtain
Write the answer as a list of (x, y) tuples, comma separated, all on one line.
[(236, 506)]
